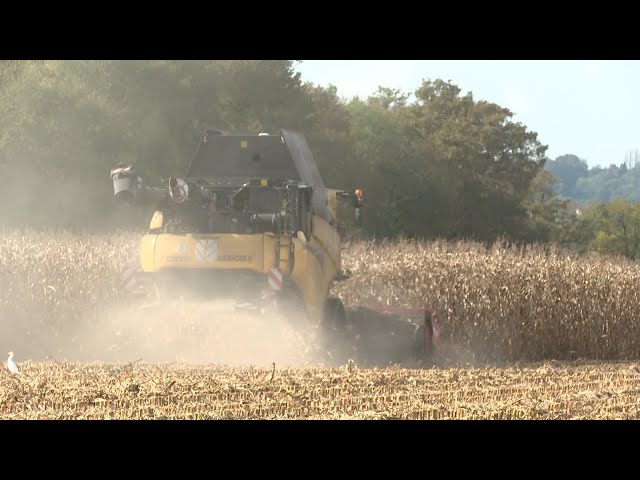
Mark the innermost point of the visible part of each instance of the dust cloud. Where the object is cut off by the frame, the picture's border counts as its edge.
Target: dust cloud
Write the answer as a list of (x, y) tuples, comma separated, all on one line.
[(210, 332), (204, 332)]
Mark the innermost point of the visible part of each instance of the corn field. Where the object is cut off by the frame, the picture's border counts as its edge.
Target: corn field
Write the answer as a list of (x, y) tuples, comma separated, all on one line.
[(53, 281), (499, 303)]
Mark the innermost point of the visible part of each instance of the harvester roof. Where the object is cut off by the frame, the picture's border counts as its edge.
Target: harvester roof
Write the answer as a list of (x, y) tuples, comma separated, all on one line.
[(234, 158), (251, 156)]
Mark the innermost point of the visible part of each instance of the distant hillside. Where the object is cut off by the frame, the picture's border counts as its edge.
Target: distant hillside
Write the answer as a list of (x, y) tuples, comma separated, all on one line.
[(578, 182)]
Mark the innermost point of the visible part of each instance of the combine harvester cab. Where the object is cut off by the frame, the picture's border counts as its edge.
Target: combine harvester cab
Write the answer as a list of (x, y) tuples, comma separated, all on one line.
[(251, 222)]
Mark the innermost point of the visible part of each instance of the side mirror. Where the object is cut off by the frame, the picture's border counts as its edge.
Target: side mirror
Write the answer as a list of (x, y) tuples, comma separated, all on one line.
[(126, 182)]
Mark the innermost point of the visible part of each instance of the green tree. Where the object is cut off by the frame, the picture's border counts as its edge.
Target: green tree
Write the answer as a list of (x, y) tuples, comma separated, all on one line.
[(328, 131), (547, 212), (567, 169), (66, 123), (381, 162), (440, 165), (618, 228), (486, 161)]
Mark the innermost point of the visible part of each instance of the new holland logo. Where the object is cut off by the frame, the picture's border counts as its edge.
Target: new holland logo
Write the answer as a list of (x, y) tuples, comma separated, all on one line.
[(207, 250)]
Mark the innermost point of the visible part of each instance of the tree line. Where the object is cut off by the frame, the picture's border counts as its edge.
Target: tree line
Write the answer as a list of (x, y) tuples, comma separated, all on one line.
[(577, 182), (436, 163)]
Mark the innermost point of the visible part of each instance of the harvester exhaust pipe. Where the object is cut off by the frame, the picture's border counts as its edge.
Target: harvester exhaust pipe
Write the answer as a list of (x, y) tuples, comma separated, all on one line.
[(178, 189)]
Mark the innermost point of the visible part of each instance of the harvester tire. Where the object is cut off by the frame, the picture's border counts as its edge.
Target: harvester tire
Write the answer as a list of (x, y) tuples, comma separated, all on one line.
[(334, 314)]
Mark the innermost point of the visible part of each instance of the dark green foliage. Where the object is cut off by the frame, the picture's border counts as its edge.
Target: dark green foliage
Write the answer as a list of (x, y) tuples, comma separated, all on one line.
[(444, 165), (567, 169), (611, 228), (440, 165), (577, 182)]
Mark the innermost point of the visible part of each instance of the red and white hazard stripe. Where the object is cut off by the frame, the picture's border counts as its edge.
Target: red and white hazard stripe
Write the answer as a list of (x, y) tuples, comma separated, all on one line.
[(129, 277), (274, 277)]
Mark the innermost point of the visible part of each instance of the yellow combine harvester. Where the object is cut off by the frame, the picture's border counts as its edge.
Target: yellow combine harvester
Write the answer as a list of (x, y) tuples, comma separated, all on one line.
[(251, 221)]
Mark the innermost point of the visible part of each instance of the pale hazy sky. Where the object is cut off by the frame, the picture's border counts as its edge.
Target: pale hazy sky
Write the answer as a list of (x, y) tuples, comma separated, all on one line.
[(589, 108)]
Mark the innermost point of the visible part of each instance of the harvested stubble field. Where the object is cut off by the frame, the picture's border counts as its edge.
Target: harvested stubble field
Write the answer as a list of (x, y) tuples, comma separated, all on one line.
[(134, 391), (61, 302)]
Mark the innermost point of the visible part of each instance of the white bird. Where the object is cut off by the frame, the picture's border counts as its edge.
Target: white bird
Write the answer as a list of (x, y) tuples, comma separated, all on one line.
[(351, 366), (11, 365)]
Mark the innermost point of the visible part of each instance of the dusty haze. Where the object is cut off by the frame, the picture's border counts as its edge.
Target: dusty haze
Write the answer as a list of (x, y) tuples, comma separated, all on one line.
[(193, 332)]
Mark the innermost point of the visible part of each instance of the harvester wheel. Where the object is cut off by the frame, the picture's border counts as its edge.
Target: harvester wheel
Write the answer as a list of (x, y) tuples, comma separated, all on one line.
[(160, 290), (334, 314), (334, 334)]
